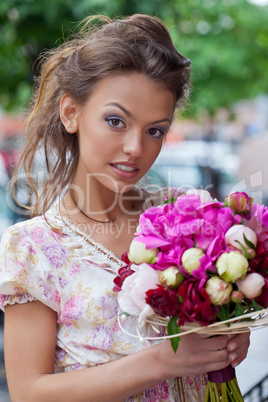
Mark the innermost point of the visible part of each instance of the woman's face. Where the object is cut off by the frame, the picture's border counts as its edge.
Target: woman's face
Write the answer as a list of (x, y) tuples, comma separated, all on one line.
[(121, 129)]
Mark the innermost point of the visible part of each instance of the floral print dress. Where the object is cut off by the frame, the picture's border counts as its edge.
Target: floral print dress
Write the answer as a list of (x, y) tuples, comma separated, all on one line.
[(55, 263)]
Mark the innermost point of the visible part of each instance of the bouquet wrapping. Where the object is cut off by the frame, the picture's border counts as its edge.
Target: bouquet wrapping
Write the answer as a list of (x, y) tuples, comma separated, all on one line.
[(198, 265)]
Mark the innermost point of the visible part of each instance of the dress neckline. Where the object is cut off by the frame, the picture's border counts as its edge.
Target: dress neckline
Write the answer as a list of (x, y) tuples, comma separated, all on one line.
[(85, 238)]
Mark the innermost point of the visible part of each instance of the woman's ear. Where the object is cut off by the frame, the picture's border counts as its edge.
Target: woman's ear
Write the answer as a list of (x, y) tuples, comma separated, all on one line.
[(68, 114)]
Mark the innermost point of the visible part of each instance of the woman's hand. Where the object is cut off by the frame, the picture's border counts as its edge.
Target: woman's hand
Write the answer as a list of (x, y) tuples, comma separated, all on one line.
[(238, 347), (199, 354)]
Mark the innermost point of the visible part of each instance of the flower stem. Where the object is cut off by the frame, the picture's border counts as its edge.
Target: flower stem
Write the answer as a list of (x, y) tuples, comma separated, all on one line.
[(224, 397), (223, 392)]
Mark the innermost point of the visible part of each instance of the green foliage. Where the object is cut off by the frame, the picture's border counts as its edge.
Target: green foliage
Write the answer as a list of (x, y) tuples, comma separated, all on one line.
[(227, 43), (225, 39), (173, 329), (224, 313)]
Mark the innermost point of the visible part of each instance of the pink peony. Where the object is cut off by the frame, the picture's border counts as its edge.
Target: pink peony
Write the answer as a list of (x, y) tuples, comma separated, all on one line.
[(139, 253), (204, 195), (240, 202), (191, 259), (251, 286), (218, 290), (171, 277), (263, 298), (216, 222), (232, 266), (133, 292), (257, 220), (235, 237)]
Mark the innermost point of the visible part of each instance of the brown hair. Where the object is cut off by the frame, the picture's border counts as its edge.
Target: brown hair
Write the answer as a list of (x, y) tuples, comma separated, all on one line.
[(139, 43)]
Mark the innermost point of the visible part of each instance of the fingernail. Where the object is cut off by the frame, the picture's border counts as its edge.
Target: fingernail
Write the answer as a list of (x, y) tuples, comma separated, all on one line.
[(232, 346), (234, 364), (233, 356)]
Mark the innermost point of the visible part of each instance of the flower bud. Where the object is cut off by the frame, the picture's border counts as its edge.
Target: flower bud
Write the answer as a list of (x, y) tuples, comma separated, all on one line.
[(236, 296), (236, 236), (232, 266), (240, 202), (138, 253), (191, 259), (251, 286), (218, 291), (171, 277)]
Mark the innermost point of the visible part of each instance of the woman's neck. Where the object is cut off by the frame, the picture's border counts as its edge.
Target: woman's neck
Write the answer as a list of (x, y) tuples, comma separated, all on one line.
[(102, 206)]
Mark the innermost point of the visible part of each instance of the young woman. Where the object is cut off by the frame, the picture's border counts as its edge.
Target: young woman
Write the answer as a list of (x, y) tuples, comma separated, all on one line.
[(103, 107)]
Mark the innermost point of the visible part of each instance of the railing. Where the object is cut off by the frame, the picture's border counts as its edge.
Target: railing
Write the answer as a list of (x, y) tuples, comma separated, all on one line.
[(259, 393)]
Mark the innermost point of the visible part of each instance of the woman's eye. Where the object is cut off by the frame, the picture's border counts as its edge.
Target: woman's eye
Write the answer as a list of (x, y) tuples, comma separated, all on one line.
[(115, 122), (156, 132)]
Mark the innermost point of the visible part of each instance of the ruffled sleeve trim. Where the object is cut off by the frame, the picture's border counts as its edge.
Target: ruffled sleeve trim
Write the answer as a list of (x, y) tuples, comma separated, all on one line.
[(6, 300)]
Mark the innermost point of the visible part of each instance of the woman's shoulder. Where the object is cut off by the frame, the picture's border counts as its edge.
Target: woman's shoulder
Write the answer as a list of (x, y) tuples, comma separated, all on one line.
[(36, 230), (20, 228)]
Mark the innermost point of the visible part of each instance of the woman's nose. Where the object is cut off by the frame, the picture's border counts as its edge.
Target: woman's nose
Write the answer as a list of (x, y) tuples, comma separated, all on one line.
[(133, 143)]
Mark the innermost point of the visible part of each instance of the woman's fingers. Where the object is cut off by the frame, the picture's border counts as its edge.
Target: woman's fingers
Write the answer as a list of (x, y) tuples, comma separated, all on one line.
[(197, 354), (238, 348), (204, 354), (217, 342)]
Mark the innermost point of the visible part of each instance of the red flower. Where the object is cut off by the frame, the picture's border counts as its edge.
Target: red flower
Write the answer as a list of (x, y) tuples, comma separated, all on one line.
[(163, 301), (123, 273), (125, 258), (263, 298), (260, 262), (196, 306)]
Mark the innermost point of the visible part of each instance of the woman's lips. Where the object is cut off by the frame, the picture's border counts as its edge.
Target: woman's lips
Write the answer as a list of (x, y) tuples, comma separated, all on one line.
[(125, 170)]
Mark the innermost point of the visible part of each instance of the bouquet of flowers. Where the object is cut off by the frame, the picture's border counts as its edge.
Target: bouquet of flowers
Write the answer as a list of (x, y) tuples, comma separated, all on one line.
[(198, 265)]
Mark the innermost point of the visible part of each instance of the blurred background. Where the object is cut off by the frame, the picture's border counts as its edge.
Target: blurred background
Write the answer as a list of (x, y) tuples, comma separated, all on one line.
[(219, 142)]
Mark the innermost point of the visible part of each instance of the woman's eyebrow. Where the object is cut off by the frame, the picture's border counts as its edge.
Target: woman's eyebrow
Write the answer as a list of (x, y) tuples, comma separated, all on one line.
[(129, 114), (120, 107)]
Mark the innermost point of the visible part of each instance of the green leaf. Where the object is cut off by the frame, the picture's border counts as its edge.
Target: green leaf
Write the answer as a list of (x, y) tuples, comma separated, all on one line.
[(255, 305), (210, 273), (173, 329), (181, 300), (224, 313), (238, 310), (170, 201), (243, 249), (248, 243)]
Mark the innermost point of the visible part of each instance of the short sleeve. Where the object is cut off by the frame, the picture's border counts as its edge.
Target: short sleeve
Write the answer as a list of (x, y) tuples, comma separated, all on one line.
[(24, 274)]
